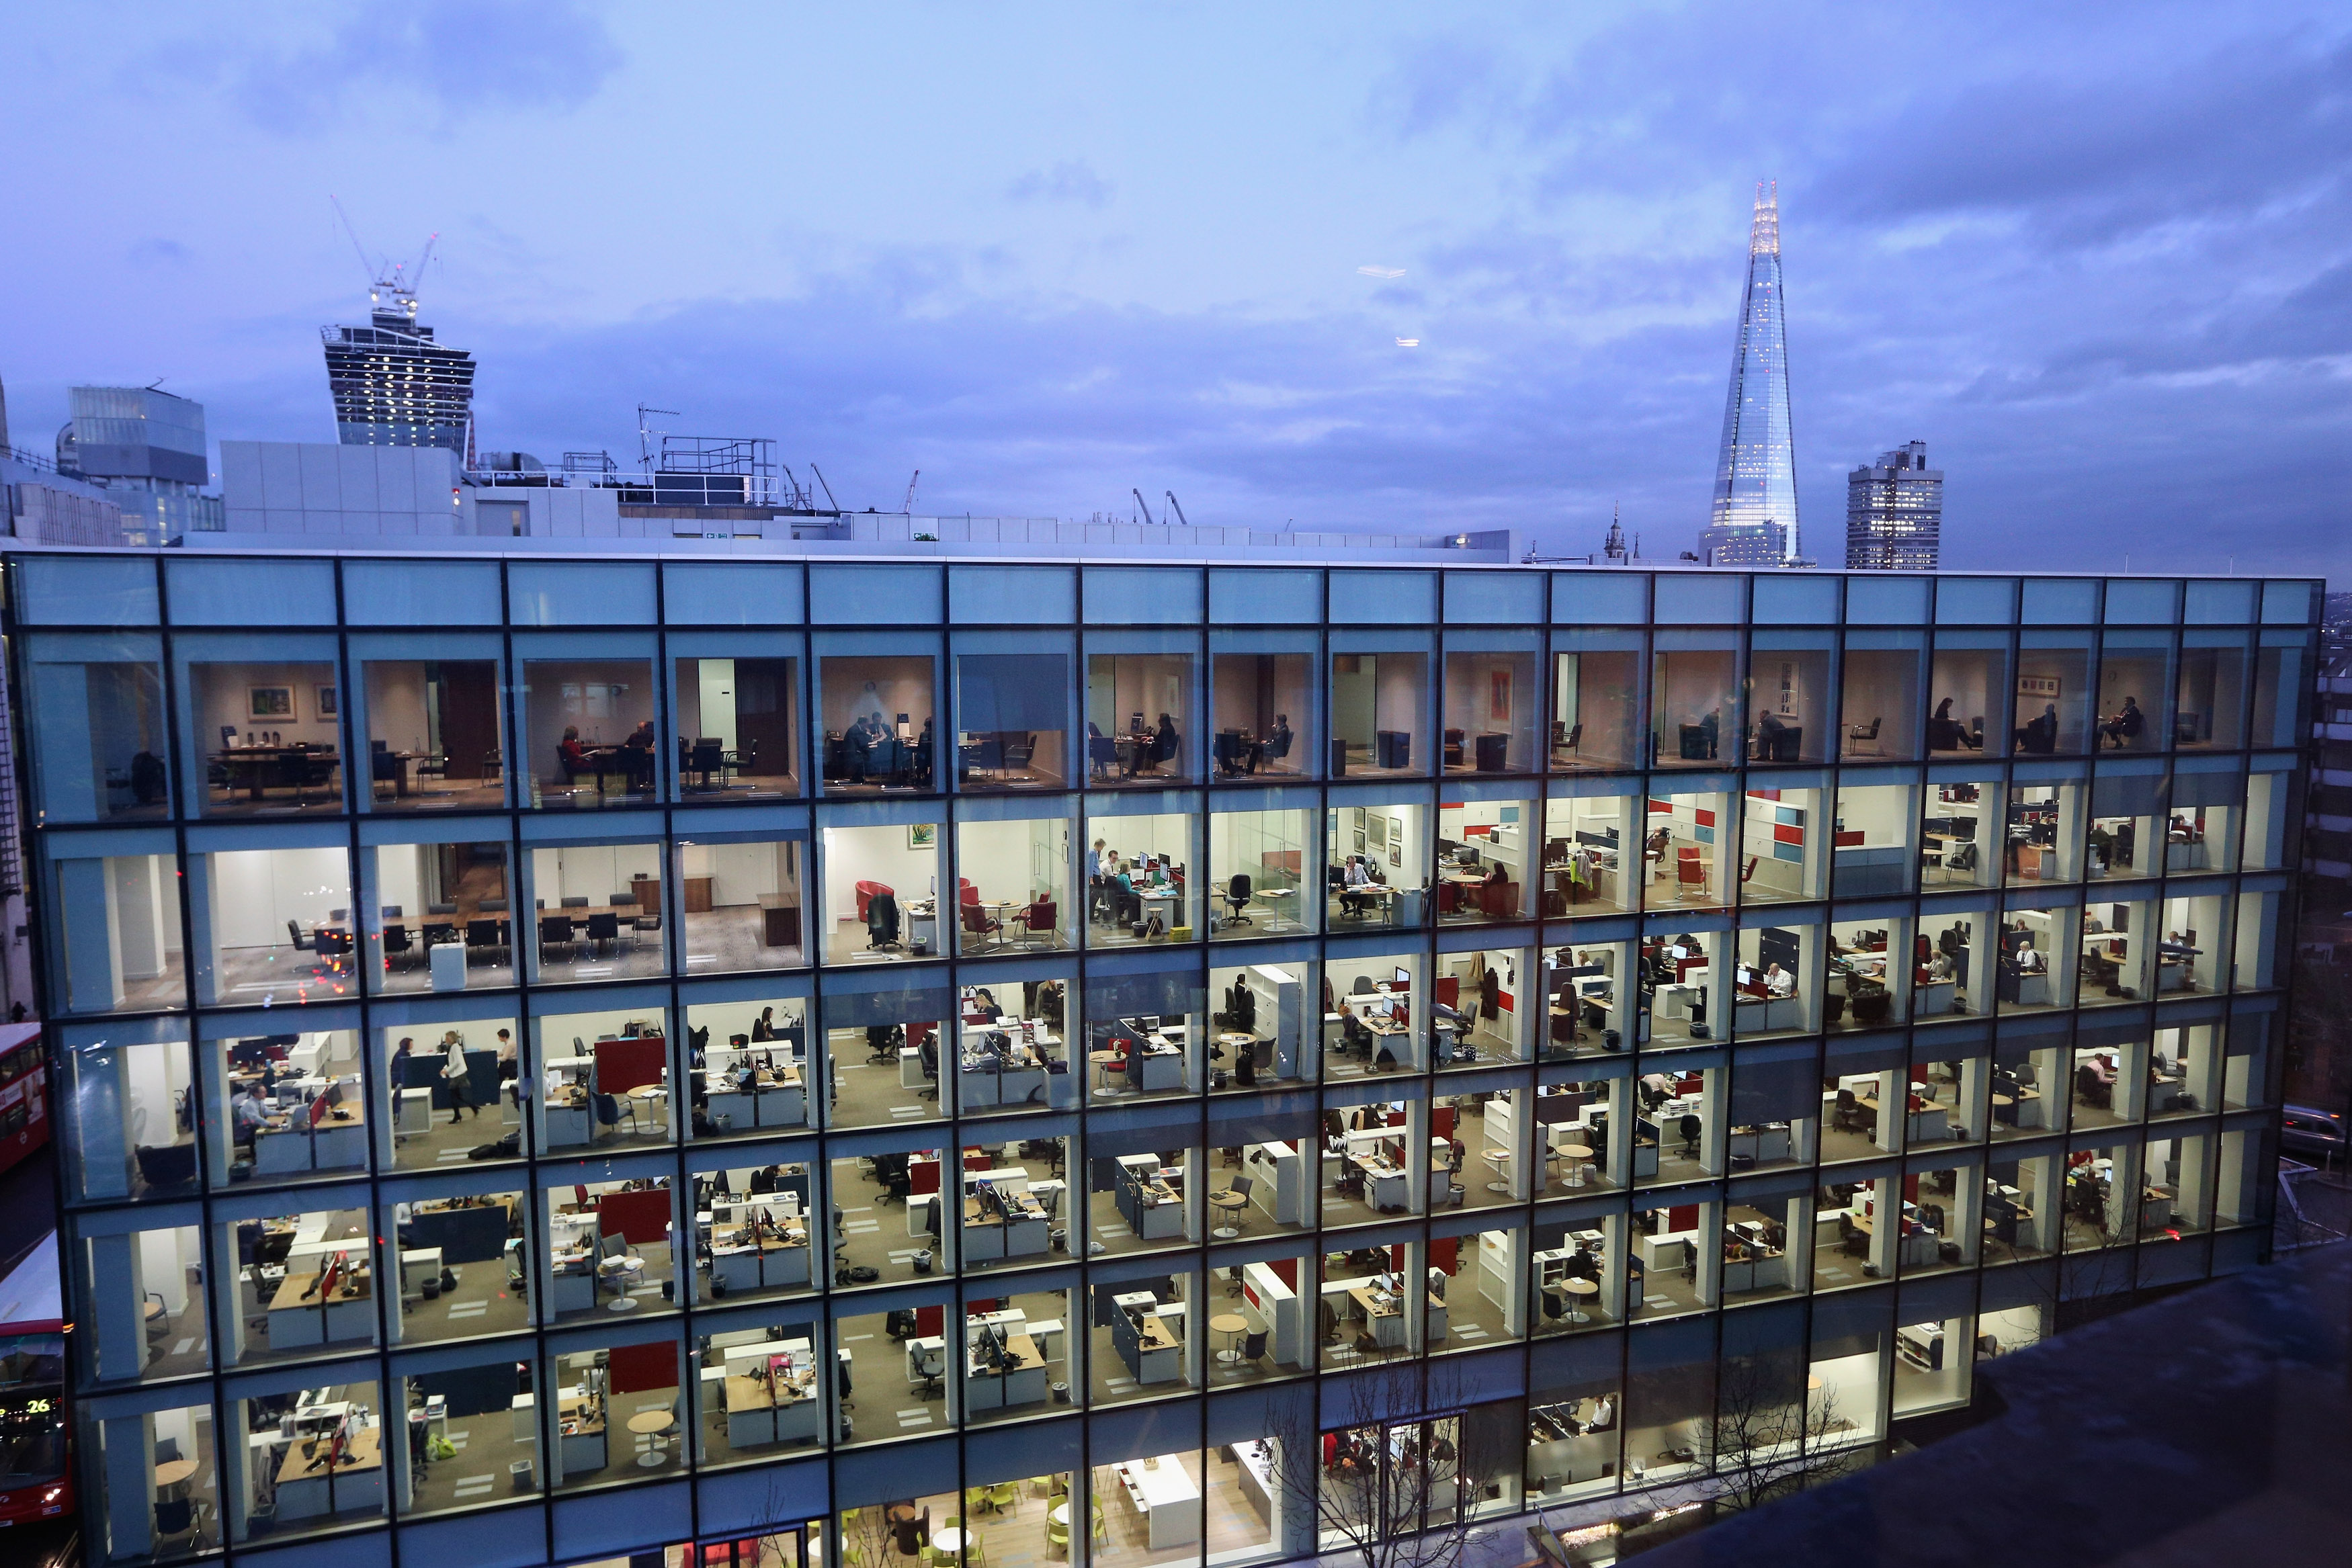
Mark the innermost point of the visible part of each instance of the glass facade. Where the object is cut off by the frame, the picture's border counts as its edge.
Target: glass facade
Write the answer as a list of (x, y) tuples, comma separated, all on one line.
[(582, 1128)]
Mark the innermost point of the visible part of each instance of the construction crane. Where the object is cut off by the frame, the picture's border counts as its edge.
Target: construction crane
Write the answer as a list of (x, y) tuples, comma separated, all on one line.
[(385, 275), (828, 489), (907, 506), (1139, 501), (1178, 511)]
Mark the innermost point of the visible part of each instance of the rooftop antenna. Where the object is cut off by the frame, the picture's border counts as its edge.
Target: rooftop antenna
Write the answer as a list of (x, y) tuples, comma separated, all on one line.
[(907, 506), (1139, 502), (646, 434), (392, 284), (1178, 509), (828, 489)]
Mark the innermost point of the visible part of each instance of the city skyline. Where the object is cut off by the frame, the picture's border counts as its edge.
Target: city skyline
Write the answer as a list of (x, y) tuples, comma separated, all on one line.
[(1037, 292)]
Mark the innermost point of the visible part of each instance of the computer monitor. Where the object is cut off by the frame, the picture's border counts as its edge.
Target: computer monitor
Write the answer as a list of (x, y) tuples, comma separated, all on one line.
[(1404, 977), (1466, 855)]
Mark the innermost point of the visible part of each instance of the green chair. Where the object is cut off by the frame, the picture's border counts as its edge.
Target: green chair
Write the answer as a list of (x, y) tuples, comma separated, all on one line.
[(975, 1550), (1057, 1536), (1002, 1498)]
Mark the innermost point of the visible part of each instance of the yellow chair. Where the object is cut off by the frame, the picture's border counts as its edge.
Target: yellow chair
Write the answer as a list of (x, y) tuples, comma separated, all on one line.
[(975, 1550), (1057, 1536), (1007, 1495)]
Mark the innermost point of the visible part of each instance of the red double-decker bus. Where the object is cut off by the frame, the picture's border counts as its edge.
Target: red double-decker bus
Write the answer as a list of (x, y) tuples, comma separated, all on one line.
[(24, 1094), (35, 1463)]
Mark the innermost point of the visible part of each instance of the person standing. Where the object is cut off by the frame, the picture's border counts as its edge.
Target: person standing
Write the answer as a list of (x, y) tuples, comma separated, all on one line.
[(453, 1072)]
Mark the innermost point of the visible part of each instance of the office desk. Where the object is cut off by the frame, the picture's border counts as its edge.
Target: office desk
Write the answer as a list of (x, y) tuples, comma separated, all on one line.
[(991, 1081), (1760, 1015), (295, 1323), (1151, 1349), (1930, 1126), (1383, 1317), (256, 767), (569, 1119), (765, 1265), (1164, 1493), (1917, 1248), (1765, 1268), (755, 1416), (355, 1485), (1761, 1145), (775, 1099), (1027, 1384), (580, 1432), (1022, 1233), (338, 1143)]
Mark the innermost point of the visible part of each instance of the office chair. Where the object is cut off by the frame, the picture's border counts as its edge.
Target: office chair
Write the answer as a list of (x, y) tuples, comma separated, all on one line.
[(1690, 1128), (604, 930), (930, 1053), (976, 922), (397, 943), (555, 931), (1238, 897)]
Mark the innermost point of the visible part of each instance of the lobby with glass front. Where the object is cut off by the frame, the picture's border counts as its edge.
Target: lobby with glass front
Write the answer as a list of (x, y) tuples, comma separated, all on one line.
[(562, 1056)]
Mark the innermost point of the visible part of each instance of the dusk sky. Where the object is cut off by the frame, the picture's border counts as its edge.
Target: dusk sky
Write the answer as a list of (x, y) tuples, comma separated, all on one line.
[(2098, 258)]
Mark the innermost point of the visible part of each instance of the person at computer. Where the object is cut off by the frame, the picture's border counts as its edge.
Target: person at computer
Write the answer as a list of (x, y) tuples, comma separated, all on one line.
[(1768, 731), (2125, 726), (253, 1114), (1778, 982), (2028, 959), (763, 1028)]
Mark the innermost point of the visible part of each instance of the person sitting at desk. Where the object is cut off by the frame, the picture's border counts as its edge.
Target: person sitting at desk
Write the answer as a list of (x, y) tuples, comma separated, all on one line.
[(253, 1113), (857, 744), (2040, 735), (2028, 959), (1779, 982), (639, 748), (1939, 968), (1359, 875), (2126, 727), (572, 755), (1945, 734), (1276, 743), (763, 1028), (1768, 731)]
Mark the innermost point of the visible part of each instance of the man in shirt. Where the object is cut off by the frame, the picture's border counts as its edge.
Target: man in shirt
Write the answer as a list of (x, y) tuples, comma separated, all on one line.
[(253, 1114)]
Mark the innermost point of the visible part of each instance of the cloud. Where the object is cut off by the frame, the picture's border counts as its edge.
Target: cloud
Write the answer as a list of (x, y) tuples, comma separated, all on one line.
[(461, 58), (159, 251), (1074, 181)]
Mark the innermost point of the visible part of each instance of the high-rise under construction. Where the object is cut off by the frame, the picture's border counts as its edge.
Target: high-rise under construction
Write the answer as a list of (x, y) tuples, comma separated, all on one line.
[(393, 385)]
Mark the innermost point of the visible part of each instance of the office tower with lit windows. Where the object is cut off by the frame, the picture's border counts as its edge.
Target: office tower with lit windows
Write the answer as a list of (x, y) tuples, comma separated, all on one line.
[(1754, 519), (393, 385), (566, 1048), (1895, 513)]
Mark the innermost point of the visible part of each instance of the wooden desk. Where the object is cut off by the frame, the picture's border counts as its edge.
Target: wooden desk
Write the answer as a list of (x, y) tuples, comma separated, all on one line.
[(355, 1482), (780, 920)]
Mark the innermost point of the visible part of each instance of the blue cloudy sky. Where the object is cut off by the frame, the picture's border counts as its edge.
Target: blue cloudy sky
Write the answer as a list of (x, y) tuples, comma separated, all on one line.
[(2099, 258)]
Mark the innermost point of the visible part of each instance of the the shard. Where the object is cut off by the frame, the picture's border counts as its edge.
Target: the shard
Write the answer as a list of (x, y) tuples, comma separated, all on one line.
[(1754, 521)]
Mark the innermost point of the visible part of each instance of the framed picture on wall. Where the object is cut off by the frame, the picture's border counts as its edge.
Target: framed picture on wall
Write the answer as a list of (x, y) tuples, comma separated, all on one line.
[(1498, 695), (269, 702), (922, 835), (1396, 836), (1359, 841), (326, 700), (1396, 853), (2037, 687), (1378, 827)]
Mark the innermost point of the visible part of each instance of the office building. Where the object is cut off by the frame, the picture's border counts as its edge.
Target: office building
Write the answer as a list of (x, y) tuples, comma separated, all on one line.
[(393, 385), (569, 1051), (1753, 520), (145, 448), (1895, 513)]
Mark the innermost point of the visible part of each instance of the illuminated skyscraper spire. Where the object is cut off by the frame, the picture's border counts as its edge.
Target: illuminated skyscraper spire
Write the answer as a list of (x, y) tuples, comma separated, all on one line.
[(1754, 522)]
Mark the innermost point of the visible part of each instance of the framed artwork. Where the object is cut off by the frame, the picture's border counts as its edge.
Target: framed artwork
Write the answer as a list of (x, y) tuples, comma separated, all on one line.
[(1359, 841), (325, 698), (922, 835), (1359, 819), (1498, 695), (1378, 827), (269, 702), (1396, 854), (2037, 687), (1396, 837)]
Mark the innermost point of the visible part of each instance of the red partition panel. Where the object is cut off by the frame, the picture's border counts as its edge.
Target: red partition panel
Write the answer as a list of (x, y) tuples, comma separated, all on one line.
[(931, 1322), (974, 1308), (923, 1175), (626, 1064), (1449, 990), (639, 1219), (1286, 1270), (1445, 1252), (1440, 1121), (637, 1368), (1683, 1217), (1911, 1189)]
